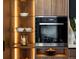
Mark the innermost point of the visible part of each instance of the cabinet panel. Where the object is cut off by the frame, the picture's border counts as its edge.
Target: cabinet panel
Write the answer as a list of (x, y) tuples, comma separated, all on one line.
[(66, 7), (72, 52), (51, 7), (6, 29), (72, 8), (54, 7), (72, 58), (50, 58), (59, 7), (59, 58), (44, 57), (43, 7)]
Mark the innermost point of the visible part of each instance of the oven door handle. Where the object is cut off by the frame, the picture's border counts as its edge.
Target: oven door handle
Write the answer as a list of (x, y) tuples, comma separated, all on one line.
[(51, 23)]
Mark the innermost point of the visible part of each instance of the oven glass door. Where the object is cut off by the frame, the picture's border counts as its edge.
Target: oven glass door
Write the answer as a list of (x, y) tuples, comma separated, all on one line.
[(53, 33), (48, 33)]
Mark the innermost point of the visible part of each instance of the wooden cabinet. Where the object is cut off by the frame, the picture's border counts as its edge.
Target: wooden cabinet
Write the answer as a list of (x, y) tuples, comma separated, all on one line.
[(51, 7), (6, 30), (59, 7), (72, 58), (72, 54), (51, 58), (58, 58), (22, 16), (43, 7), (60, 53)]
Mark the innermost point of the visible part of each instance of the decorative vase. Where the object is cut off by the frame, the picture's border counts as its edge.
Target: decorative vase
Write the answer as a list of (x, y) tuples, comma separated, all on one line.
[(24, 40)]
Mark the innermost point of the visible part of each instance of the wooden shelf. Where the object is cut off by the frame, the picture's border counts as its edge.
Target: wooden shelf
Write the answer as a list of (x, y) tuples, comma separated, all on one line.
[(57, 55), (27, 46), (24, 16)]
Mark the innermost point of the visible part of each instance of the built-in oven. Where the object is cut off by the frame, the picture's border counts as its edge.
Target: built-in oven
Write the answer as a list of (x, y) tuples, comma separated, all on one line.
[(51, 31)]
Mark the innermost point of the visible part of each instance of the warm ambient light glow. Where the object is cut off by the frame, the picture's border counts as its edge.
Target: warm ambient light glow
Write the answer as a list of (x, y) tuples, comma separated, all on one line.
[(33, 50), (15, 22), (16, 53), (33, 21), (16, 50), (33, 53)]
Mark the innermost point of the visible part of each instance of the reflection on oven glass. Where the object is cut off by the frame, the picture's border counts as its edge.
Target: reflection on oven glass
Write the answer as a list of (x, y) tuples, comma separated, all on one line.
[(49, 33)]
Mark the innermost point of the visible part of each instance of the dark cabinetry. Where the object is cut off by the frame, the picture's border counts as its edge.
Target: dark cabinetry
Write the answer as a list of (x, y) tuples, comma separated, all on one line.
[(72, 8)]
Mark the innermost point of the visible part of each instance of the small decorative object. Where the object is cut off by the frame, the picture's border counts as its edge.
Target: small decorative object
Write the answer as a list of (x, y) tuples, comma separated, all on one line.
[(24, 40), (28, 29), (24, 37), (24, 29), (24, 14), (50, 51), (20, 29), (39, 51)]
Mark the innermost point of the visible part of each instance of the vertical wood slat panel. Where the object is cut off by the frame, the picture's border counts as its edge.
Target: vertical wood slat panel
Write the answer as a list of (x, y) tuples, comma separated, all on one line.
[(51, 7), (6, 30), (43, 7), (59, 7), (38, 7)]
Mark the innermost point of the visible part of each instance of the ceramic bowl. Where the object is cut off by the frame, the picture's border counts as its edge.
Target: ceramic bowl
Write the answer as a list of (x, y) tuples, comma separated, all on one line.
[(24, 14), (20, 29), (28, 29)]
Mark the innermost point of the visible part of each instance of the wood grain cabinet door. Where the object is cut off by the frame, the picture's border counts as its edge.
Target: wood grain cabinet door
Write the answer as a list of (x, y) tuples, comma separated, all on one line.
[(44, 58), (51, 7), (59, 7), (72, 58), (72, 52), (43, 7), (59, 58)]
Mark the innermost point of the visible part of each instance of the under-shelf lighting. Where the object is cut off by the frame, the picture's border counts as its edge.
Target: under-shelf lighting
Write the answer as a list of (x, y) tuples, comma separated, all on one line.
[(33, 21), (16, 51), (15, 22), (33, 34)]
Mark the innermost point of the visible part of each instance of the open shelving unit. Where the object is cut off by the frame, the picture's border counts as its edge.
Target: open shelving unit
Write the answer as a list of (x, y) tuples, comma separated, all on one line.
[(22, 16), (61, 53)]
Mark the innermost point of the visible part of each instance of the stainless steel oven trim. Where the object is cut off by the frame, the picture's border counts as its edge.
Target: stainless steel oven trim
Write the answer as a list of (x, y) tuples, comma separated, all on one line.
[(51, 23), (51, 44), (47, 16)]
